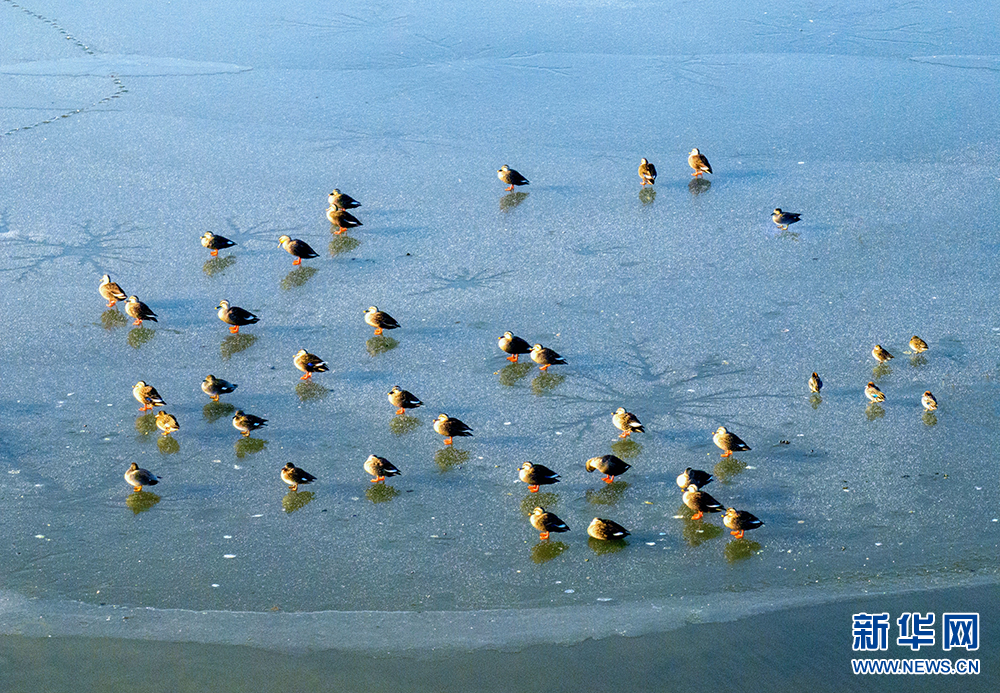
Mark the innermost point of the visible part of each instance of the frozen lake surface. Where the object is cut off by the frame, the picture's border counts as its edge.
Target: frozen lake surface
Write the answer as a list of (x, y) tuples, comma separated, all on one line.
[(129, 132)]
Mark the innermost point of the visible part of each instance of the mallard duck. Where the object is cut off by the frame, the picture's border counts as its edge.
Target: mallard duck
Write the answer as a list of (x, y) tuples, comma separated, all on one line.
[(167, 423), (626, 422), (545, 357), (244, 423), (403, 400), (783, 219), (609, 465), (380, 320), (740, 521), (880, 354), (916, 343), (342, 219), (380, 468), (546, 522), (139, 310), (342, 200), (693, 477), (138, 477), (647, 172), (111, 292), (235, 317), (511, 177), (535, 475), (293, 476), (606, 530), (873, 393), (701, 502), (213, 387), (815, 384), (514, 346), (930, 404), (215, 243), (147, 396), (300, 250), (450, 428), (699, 163), (309, 364), (728, 442)]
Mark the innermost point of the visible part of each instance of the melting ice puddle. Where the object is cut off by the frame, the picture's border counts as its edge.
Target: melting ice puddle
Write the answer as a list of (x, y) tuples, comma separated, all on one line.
[(119, 65)]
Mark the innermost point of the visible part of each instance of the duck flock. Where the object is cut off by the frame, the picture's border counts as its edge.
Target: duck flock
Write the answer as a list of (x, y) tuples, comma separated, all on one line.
[(691, 481)]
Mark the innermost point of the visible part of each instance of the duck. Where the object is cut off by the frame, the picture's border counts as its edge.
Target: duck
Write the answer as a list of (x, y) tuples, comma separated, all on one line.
[(701, 502), (606, 530), (342, 219), (783, 219), (167, 423), (300, 250), (880, 354), (535, 475), (815, 384), (235, 317), (740, 521), (515, 346), (380, 320), (215, 243), (695, 477), (293, 476), (609, 465), (916, 343), (403, 400), (728, 442), (450, 428), (510, 177), (342, 200), (309, 364), (213, 387), (111, 292), (626, 422), (647, 172), (147, 396), (699, 162), (139, 310), (380, 468), (138, 477), (546, 522), (873, 393), (244, 423), (930, 404), (545, 357)]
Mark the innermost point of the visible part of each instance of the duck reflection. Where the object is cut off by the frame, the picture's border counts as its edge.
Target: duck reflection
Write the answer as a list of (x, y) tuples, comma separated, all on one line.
[(609, 494), (379, 345), (647, 196), (141, 502), (297, 277), (697, 533), (381, 493), (138, 336), (545, 551), (601, 547), (626, 449), (727, 468), (145, 424), (512, 200), (881, 371), (235, 343), (168, 445), (112, 319), (511, 373), (217, 265), (545, 499), (401, 425), (874, 411), (249, 446), (342, 244), (296, 500), (449, 458), (929, 418), (740, 550), (916, 360), (697, 186), (545, 382), (308, 391), (213, 411), (815, 400)]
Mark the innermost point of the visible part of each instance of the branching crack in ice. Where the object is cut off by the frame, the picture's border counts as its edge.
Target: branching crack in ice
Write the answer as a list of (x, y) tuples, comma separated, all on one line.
[(462, 280), (92, 248)]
